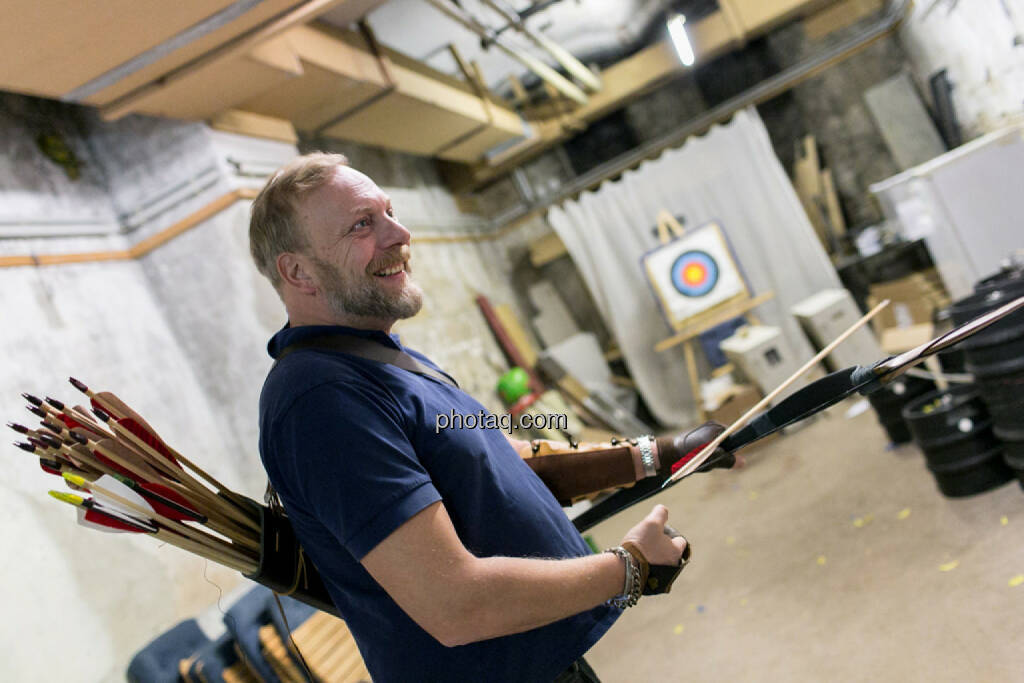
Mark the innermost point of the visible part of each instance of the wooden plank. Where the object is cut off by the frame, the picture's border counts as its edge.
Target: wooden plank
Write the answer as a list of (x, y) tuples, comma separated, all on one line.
[(546, 249), (249, 22), (474, 148), (758, 16), (831, 200), (203, 93), (837, 16), (255, 125), (520, 337), (807, 181), (508, 345), (234, 49), (694, 378), (407, 124), (50, 48), (313, 100)]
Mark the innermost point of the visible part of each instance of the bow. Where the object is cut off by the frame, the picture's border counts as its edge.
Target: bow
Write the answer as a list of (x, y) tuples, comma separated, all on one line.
[(808, 401)]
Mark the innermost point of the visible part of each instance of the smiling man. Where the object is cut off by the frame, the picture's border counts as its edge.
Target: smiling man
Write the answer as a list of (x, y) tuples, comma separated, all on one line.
[(444, 552)]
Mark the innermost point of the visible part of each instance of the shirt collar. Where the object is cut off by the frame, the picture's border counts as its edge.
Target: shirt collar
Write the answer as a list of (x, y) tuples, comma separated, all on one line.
[(289, 335)]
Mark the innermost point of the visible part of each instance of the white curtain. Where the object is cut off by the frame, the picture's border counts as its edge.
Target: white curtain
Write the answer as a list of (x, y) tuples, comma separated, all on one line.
[(730, 175)]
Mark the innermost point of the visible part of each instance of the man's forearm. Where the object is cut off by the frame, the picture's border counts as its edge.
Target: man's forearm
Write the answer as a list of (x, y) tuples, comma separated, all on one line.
[(506, 595), (573, 471)]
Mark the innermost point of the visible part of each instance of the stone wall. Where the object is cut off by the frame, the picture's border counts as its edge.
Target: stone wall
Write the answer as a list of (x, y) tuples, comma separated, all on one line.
[(831, 107)]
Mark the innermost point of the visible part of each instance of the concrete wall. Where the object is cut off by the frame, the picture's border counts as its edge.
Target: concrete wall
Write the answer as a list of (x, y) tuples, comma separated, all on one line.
[(981, 46)]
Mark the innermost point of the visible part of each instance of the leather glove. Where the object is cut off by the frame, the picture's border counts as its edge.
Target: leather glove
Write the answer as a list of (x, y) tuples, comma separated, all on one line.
[(672, 449)]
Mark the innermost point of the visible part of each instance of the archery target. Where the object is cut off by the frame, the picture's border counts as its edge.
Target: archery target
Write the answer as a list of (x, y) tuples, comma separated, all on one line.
[(693, 274)]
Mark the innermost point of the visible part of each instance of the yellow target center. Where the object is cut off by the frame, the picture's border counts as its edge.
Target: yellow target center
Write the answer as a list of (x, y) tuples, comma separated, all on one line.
[(693, 274)]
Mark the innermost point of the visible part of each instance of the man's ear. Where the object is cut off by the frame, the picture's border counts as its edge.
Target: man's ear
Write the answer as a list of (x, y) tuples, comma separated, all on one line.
[(296, 271)]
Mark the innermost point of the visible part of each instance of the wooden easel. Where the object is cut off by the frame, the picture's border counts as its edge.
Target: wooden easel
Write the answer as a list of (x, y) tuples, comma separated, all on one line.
[(686, 334)]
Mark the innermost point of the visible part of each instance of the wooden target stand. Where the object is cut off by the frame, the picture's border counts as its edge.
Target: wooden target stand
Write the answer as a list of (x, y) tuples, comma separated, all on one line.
[(688, 330)]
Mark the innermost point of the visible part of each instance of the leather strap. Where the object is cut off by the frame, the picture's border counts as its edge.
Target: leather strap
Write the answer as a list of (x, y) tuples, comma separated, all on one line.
[(370, 350)]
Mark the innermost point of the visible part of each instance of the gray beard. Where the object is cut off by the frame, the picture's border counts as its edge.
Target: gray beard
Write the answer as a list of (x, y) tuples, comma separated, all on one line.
[(363, 298)]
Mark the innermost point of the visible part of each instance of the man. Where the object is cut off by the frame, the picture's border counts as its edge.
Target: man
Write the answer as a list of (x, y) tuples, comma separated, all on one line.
[(444, 552)]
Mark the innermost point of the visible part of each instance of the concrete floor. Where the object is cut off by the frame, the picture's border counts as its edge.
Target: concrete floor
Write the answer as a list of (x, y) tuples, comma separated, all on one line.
[(829, 558)]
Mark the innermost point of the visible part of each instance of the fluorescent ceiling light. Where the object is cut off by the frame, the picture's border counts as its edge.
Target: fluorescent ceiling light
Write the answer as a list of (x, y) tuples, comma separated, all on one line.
[(677, 31)]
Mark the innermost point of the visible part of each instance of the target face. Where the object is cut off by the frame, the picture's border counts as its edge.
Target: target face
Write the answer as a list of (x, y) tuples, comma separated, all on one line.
[(694, 273)]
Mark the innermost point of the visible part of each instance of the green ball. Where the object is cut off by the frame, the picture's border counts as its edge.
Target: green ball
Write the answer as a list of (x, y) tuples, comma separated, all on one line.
[(514, 384)]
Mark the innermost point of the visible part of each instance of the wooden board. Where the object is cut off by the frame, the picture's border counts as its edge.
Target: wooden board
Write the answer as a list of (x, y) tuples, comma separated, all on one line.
[(520, 337), (264, 14), (839, 15), (407, 124), (203, 94), (50, 48), (547, 249), (255, 125)]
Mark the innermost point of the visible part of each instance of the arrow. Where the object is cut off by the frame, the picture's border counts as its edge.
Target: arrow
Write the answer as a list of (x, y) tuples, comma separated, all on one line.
[(208, 540), (92, 515), (163, 499), (134, 428), (97, 516)]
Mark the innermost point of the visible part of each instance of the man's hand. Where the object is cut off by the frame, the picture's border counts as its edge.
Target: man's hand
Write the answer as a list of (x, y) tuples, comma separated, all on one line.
[(672, 449), (650, 537)]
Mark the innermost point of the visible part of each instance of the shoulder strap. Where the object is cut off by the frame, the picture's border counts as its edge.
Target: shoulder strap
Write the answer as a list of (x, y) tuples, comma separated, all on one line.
[(371, 350)]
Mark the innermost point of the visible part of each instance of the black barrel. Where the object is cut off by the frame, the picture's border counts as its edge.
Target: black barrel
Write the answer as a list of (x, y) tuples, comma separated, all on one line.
[(1013, 454), (1008, 329), (889, 401), (995, 356), (1012, 275), (954, 430)]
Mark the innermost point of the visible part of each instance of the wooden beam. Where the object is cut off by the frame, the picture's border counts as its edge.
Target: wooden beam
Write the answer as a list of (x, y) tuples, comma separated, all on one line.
[(546, 249), (233, 49), (839, 15), (255, 125)]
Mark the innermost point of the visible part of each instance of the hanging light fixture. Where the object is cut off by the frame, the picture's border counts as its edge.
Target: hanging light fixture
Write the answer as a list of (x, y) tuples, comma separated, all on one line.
[(677, 31)]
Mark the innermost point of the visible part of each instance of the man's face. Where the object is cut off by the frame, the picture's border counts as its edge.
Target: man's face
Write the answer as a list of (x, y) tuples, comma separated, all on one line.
[(359, 251)]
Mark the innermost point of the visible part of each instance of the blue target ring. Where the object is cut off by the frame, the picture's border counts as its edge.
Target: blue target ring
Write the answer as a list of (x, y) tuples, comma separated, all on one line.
[(694, 273)]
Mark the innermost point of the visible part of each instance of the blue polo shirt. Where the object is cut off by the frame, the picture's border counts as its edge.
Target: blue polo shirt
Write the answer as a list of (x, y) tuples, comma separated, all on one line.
[(350, 445)]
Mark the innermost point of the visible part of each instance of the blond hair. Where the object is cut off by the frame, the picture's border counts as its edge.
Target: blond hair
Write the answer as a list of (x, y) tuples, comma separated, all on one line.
[(274, 226)]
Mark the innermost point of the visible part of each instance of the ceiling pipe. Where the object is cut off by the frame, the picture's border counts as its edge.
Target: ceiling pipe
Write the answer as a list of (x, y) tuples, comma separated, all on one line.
[(762, 92), (573, 66), (559, 82)]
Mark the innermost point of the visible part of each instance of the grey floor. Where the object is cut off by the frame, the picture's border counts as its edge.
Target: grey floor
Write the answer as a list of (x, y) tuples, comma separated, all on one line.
[(829, 558)]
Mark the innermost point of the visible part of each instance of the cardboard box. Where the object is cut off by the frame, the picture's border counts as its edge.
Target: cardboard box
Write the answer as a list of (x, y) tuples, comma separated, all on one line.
[(899, 339), (913, 300)]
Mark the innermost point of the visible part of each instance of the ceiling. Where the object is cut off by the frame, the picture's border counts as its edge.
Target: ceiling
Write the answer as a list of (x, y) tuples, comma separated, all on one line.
[(586, 28), (271, 67)]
